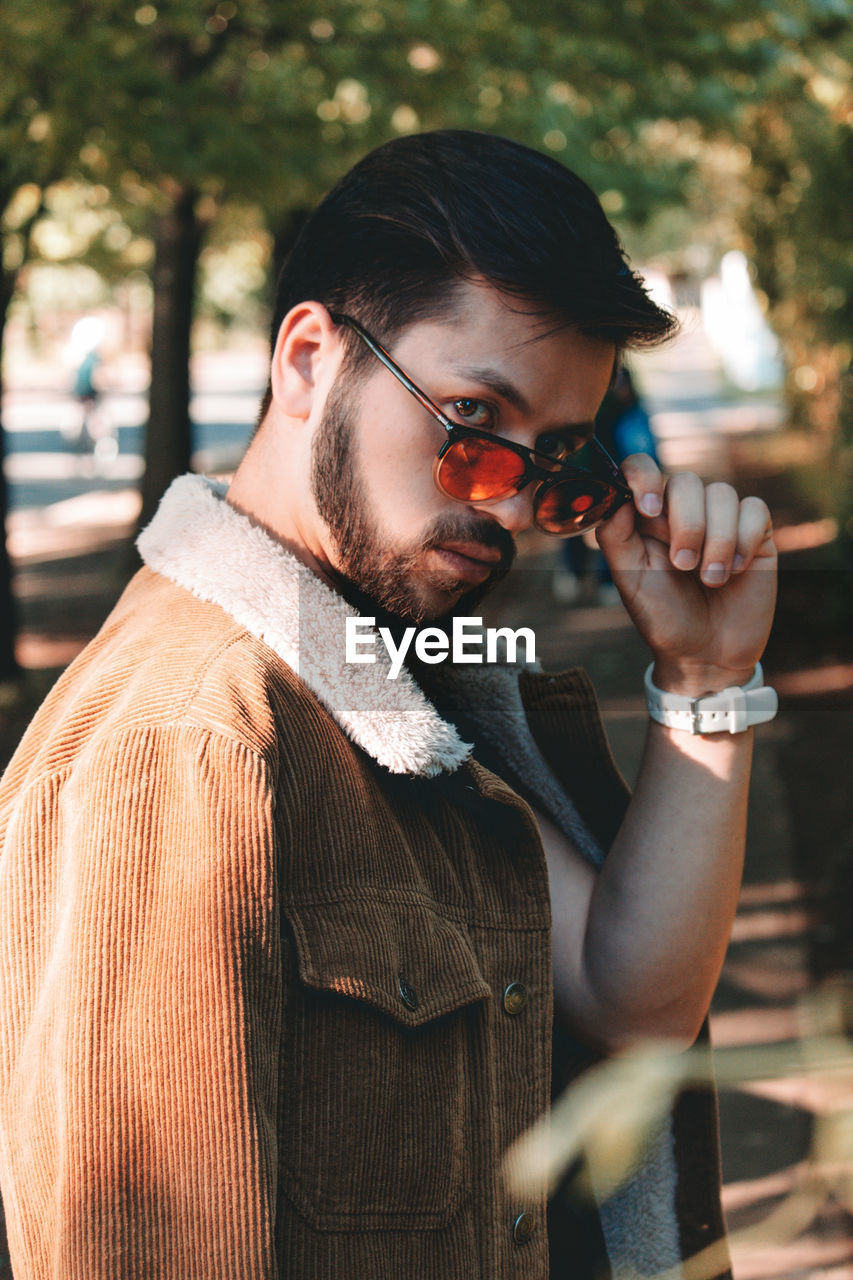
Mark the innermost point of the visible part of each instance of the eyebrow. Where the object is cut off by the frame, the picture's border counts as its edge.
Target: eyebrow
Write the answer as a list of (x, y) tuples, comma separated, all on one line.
[(508, 391), (495, 381)]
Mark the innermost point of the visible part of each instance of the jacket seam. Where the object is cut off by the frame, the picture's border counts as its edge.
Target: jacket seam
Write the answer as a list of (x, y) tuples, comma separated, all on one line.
[(458, 915), (207, 735)]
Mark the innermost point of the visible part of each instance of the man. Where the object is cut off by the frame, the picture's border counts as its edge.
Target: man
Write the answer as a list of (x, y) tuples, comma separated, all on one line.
[(282, 950)]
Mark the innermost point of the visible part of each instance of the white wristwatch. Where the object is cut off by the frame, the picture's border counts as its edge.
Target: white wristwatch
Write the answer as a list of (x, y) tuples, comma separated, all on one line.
[(732, 710)]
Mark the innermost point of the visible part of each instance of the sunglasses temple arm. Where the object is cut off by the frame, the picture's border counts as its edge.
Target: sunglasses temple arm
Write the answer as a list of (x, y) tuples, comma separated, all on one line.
[(615, 470), (392, 367)]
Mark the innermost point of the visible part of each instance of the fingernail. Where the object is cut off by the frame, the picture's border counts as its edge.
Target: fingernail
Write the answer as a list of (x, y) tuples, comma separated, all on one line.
[(714, 574), (685, 559), (651, 504), (738, 563)]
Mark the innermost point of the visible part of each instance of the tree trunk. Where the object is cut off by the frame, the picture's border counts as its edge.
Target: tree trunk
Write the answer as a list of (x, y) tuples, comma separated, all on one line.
[(168, 443), (8, 607)]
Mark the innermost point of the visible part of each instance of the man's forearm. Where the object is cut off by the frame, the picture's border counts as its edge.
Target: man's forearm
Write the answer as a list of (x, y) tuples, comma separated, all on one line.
[(638, 947), (661, 911)]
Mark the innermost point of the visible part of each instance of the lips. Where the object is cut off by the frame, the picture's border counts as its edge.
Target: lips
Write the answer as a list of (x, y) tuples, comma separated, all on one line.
[(469, 561), (476, 551)]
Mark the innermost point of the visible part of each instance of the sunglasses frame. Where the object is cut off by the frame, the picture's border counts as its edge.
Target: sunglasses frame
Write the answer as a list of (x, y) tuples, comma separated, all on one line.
[(546, 477)]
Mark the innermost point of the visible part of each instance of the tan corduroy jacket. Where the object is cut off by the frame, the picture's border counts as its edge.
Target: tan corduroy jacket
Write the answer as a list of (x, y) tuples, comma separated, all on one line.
[(259, 910)]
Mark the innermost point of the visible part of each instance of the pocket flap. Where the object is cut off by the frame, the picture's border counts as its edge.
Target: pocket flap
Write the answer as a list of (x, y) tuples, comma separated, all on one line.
[(404, 958)]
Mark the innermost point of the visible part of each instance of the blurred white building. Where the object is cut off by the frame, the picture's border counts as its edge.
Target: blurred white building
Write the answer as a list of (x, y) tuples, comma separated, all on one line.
[(736, 327)]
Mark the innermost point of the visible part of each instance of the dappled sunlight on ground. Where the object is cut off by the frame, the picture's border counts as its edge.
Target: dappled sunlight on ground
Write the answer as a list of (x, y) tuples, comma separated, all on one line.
[(835, 678), (803, 537), (798, 1205), (72, 527), (40, 653)]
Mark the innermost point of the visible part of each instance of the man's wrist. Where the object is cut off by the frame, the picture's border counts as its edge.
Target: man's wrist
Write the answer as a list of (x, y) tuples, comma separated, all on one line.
[(692, 680), (733, 709)]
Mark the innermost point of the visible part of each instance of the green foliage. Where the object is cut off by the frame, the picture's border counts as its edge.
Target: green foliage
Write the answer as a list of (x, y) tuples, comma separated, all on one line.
[(797, 211), (271, 103), (36, 123)]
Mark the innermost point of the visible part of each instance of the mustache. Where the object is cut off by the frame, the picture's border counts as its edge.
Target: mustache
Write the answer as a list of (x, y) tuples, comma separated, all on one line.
[(450, 527)]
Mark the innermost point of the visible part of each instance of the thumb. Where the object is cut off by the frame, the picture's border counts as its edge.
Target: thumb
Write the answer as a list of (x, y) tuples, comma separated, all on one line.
[(620, 541)]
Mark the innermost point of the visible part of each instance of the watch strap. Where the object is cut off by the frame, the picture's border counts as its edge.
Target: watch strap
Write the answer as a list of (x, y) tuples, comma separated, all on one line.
[(731, 711)]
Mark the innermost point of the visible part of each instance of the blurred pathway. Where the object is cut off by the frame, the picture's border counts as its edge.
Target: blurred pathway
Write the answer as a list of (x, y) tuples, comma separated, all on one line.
[(41, 420), (695, 414), (72, 513)]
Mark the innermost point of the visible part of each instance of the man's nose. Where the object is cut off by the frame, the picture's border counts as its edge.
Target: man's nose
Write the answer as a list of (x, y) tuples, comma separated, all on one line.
[(515, 512)]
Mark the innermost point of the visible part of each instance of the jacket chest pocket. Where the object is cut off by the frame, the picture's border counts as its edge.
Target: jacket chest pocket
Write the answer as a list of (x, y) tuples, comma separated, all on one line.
[(383, 1000)]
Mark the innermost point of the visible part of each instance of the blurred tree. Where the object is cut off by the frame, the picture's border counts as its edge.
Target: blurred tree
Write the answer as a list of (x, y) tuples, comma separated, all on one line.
[(776, 179), (798, 210), (797, 216), (39, 127), (168, 139), (200, 101), (569, 80)]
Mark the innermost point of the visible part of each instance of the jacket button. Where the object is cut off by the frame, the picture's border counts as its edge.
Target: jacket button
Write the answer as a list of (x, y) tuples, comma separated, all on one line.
[(522, 1228), (407, 993), (515, 998)]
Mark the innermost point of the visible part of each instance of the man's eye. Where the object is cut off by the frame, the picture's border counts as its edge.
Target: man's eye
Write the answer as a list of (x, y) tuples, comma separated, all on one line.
[(474, 412), (556, 447)]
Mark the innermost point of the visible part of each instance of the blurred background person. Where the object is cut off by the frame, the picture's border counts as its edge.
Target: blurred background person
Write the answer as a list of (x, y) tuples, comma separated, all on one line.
[(94, 432), (623, 426)]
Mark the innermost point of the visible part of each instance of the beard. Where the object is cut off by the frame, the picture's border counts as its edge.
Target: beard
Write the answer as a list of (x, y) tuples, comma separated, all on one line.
[(370, 572)]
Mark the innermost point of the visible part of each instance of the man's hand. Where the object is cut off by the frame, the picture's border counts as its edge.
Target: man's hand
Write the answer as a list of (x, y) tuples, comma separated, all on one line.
[(695, 566)]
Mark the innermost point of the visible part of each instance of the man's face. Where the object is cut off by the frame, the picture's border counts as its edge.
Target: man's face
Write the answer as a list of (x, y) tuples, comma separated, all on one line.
[(492, 363)]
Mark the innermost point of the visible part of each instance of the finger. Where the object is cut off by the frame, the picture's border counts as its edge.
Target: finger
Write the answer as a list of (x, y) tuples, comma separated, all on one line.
[(754, 535), (722, 509), (646, 481), (685, 505)]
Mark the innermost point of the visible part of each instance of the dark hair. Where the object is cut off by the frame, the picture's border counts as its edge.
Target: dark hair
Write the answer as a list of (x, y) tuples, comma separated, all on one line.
[(420, 214)]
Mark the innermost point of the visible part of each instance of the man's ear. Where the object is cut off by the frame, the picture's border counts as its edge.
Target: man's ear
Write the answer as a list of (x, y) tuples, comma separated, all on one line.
[(307, 341)]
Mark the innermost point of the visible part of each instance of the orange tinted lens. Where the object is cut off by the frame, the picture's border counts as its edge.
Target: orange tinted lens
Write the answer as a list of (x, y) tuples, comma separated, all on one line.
[(575, 505), (476, 470)]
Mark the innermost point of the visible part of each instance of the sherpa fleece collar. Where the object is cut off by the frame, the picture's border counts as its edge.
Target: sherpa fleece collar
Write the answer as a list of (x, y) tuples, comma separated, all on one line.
[(201, 543)]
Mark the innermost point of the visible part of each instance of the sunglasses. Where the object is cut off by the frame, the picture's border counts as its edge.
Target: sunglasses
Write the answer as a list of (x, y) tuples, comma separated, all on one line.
[(476, 467)]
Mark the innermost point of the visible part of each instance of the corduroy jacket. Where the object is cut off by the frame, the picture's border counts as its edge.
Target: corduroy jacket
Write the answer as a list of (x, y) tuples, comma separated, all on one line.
[(275, 973)]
